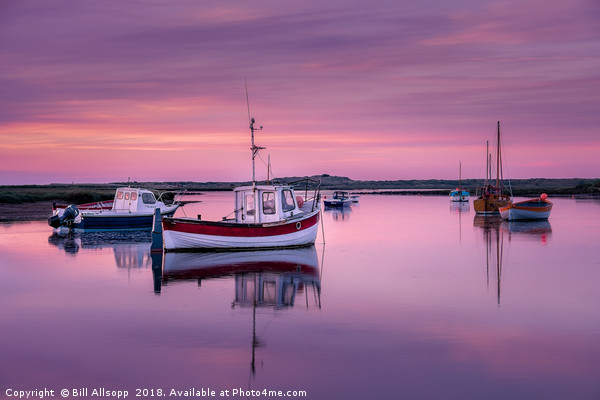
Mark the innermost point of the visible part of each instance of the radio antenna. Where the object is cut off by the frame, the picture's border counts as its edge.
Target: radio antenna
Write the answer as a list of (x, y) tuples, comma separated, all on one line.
[(255, 149), (247, 101)]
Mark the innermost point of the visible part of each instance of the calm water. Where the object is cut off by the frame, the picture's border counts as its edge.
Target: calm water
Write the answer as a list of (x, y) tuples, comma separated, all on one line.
[(409, 298)]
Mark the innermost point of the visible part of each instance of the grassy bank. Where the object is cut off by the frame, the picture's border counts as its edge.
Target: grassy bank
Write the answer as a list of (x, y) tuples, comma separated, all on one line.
[(87, 193), (64, 193)]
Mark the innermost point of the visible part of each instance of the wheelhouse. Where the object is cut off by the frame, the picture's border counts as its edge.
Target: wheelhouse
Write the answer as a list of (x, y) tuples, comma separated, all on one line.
[(264, 204), (133, 200)]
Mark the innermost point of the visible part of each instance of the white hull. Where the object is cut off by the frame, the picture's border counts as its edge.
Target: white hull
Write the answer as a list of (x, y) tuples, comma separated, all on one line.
[(460, 198), (185, 234), (527, 210), (182, 240)]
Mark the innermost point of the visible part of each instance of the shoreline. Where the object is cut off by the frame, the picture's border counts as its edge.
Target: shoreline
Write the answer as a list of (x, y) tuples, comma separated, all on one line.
[(35, 211), (42, 210)]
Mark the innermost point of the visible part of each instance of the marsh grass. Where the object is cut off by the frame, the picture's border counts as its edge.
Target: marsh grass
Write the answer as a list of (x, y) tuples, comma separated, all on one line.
[(69, 194)]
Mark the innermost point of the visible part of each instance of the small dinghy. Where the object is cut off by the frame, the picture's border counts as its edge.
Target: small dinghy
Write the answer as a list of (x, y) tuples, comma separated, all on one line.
[(532, 209)]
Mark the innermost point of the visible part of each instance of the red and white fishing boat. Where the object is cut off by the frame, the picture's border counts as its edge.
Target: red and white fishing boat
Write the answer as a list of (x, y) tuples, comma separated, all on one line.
[(532, 209), (265, 216)]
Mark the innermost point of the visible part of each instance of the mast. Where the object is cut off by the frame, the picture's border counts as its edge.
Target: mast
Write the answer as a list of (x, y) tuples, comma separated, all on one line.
[(498, 159), (269, 170), (460, 177), (255, 149), (487, 162)]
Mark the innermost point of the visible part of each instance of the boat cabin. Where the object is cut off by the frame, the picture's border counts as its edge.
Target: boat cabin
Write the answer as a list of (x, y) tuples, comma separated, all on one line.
[(134, 200), (264, 204), (341, 195)]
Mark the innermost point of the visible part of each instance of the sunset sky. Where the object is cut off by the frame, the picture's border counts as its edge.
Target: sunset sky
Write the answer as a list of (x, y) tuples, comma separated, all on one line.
[(103, 91)]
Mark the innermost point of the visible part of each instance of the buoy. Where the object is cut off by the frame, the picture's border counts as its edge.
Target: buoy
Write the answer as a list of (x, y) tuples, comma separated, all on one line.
[(544, 196)]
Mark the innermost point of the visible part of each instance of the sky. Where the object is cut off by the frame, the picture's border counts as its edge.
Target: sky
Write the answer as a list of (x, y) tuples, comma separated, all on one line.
[(148, 90)]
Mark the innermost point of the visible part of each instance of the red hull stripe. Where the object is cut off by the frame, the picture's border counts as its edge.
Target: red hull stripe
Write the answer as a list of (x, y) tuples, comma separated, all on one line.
[(237, 230), (227, 270)]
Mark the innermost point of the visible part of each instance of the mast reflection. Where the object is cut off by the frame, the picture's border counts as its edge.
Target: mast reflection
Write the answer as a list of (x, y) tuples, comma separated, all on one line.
[(273, 279), (493, 238)]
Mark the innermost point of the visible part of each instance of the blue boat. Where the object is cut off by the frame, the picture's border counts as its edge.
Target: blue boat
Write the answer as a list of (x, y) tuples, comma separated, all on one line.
[(459, 194), (132, 208), (339, 199)]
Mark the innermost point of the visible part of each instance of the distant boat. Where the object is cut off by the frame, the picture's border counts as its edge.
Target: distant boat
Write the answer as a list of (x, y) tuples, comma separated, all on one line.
[(491, 198), (265, 217), (339, 199), (132, 208), (532, 209), (355, 198), (458, 194)]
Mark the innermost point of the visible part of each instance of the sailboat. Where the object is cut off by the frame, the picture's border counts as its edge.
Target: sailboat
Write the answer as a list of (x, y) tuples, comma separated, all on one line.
[(492, 197), (459, 194)]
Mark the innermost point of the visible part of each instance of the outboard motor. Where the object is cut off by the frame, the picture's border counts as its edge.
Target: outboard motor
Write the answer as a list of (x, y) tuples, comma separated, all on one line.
[(69, 215)]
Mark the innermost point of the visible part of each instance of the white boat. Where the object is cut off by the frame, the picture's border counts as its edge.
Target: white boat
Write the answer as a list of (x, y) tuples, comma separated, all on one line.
[(459, 194), (132, 208), (338, 199), (531, 209), (265, 216)]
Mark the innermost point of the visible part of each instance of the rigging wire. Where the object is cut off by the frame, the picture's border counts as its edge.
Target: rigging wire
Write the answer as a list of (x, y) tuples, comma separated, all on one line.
[(505, 159), (269, 169)]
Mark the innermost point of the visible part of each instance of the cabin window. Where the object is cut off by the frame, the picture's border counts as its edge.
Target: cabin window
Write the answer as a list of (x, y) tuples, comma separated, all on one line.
[(268, 203), (148, 198), (126, 195), (250, 204), (270, 292), (287, 200), (133, 196), (120, 195)]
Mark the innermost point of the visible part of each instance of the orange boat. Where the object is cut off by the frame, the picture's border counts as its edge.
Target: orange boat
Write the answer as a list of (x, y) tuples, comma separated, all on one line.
[(492, 198), (532, 209)]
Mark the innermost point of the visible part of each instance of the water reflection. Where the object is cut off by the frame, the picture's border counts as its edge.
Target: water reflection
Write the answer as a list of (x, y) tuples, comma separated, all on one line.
[(131, 248), (273, 279), (460, 208), (270, 278), (493, 238), (339, 213), (537, 230)]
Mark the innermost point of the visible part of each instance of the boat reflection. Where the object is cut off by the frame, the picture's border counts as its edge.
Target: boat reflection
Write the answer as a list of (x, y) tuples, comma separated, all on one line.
[(269, 278), (460, 208), (131, 248), (339, 213), (539, 230), (493, 238)]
